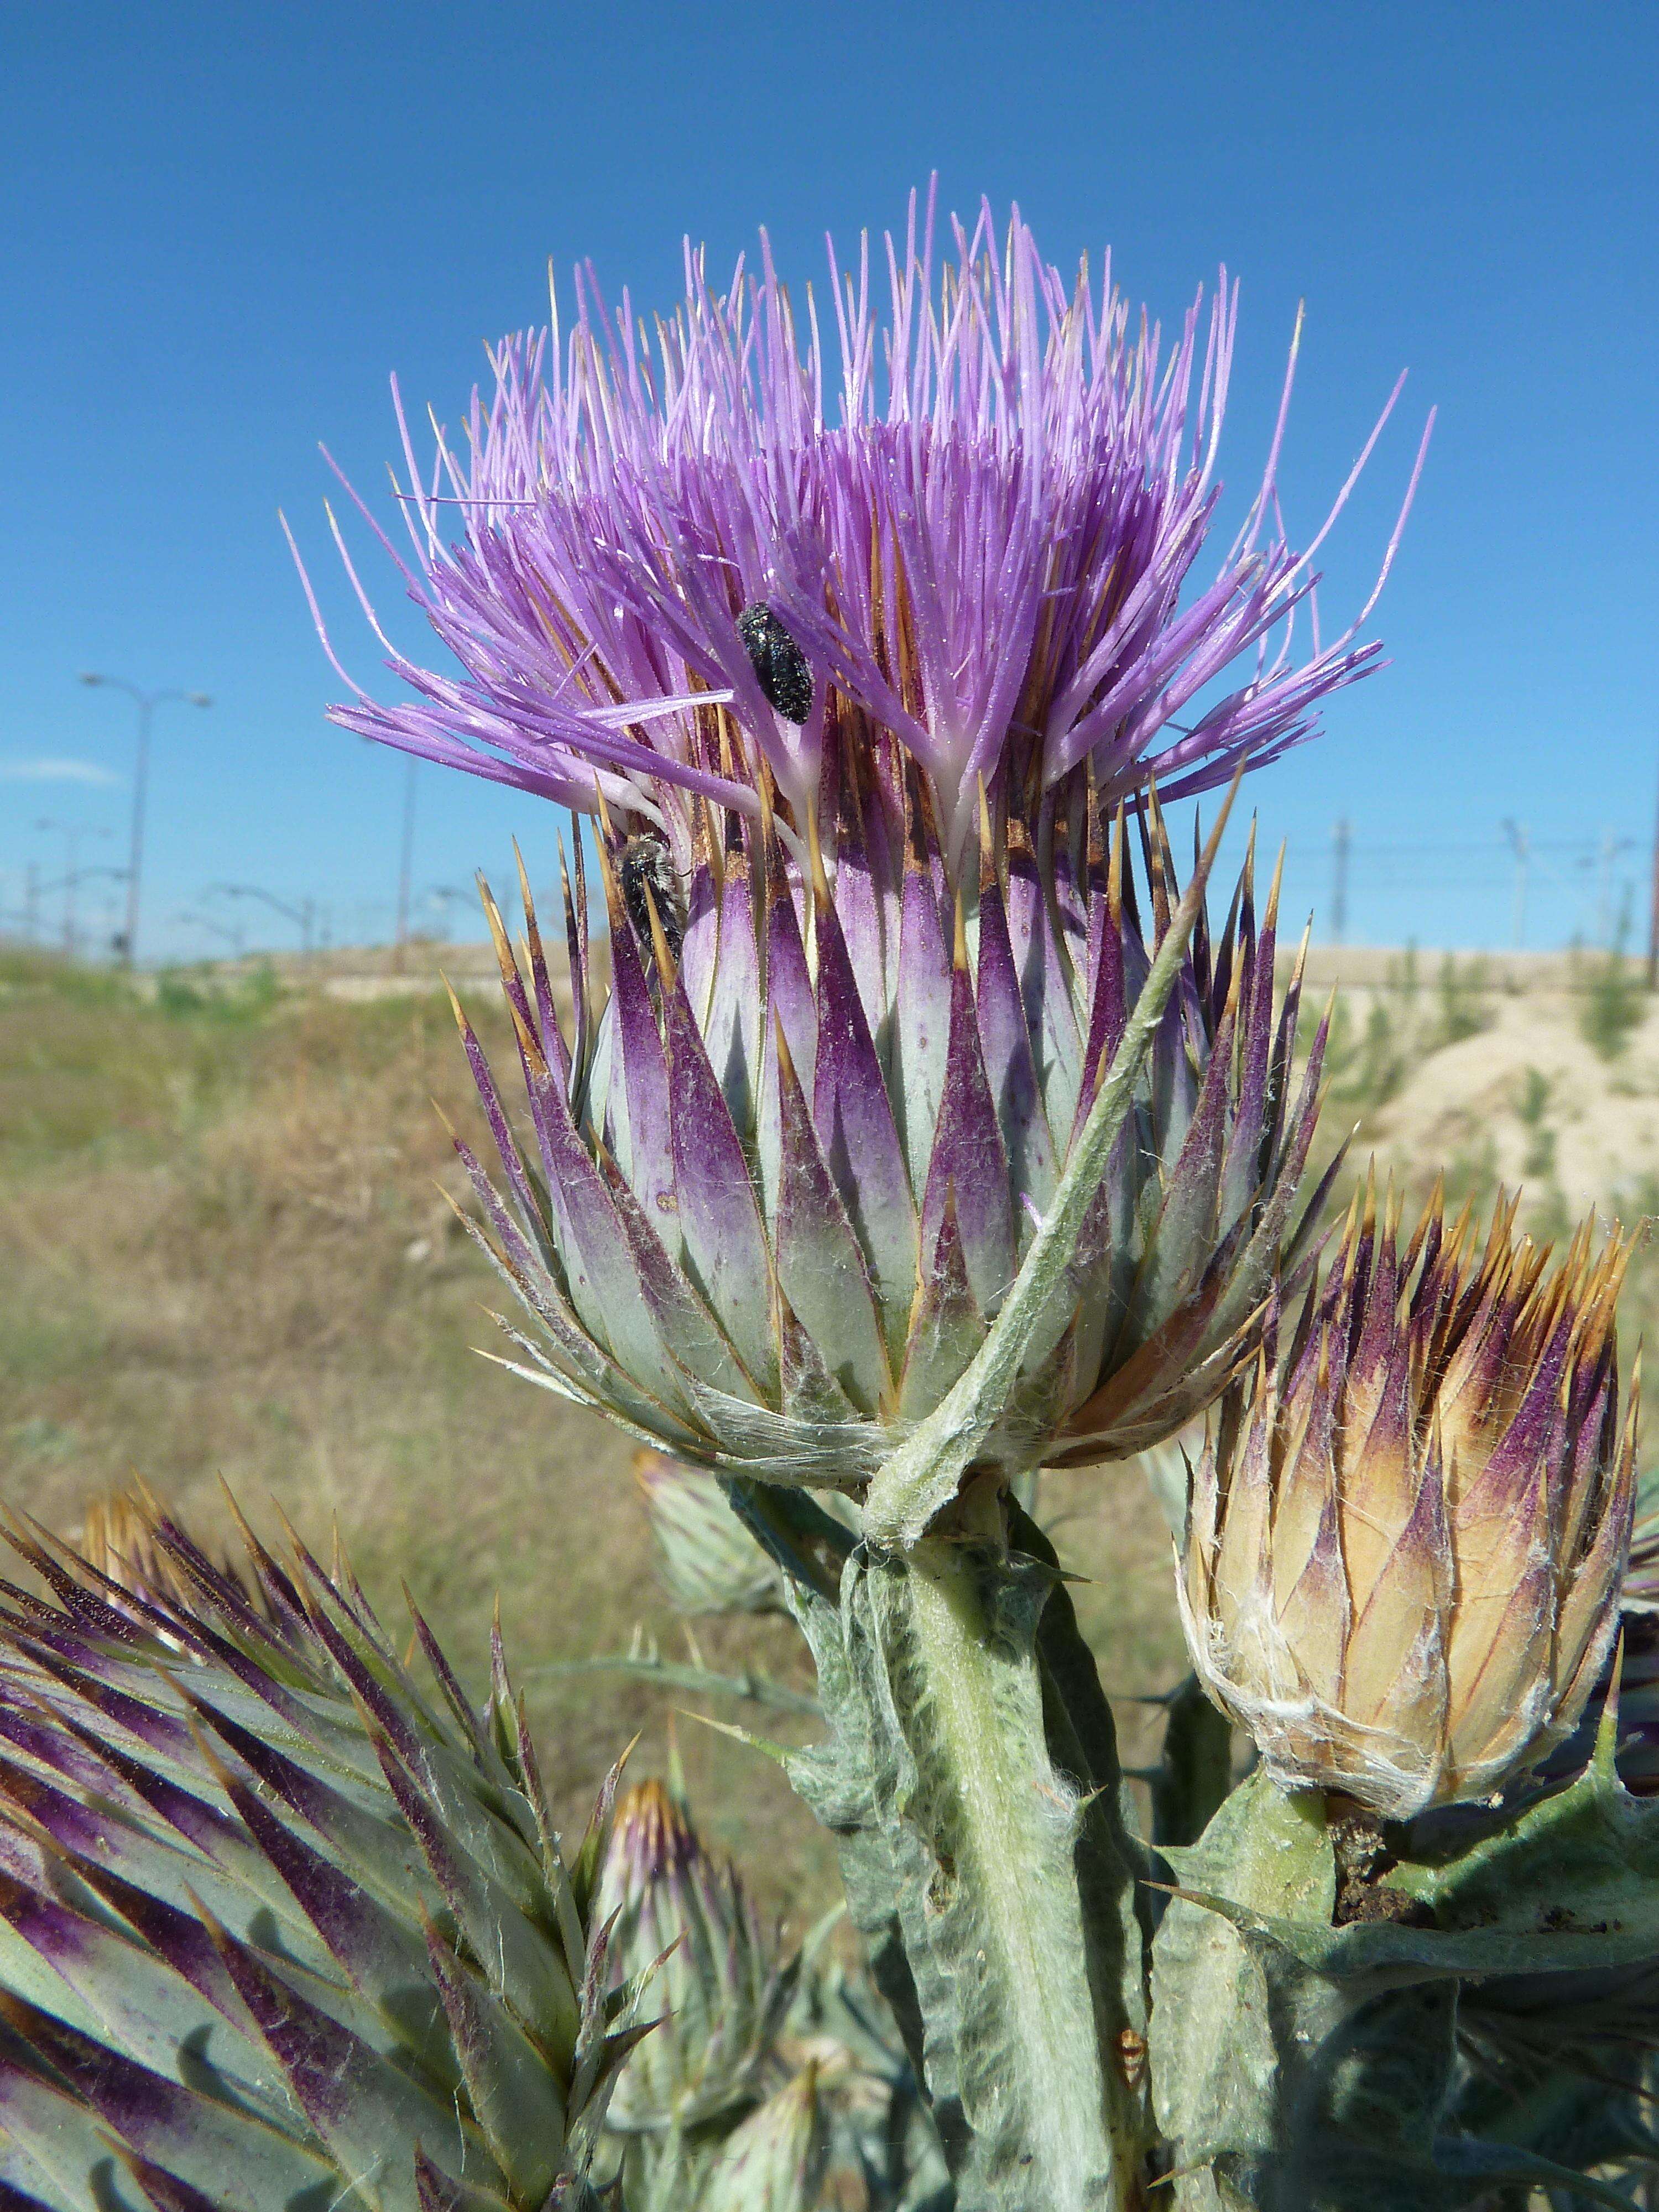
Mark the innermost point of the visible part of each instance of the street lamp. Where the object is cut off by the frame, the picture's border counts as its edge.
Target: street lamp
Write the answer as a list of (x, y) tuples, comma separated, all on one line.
[(303, 915), (147, 702), (445, 897), (234, 936)]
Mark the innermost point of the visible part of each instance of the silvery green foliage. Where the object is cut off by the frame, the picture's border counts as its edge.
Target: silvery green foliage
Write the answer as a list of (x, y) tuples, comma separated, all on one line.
[(1366, 2025), (283, 1928)]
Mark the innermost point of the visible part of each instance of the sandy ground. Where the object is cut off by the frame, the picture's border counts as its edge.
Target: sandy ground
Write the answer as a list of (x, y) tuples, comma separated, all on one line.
[(1530, 1100)]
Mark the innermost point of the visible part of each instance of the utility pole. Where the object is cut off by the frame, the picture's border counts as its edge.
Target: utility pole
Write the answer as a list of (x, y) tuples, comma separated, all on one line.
[(1653, 917), (71, 833), (1607, 928), (1343, 845), (32, 902), (405, 866), (147, 702), (1521, 846)]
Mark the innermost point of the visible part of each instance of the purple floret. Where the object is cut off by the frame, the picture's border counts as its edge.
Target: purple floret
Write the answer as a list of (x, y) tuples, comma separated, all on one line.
[(974, 500)]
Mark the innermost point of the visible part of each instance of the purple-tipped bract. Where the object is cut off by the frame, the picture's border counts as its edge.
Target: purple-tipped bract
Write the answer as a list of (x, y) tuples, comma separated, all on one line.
[(775, 1194)]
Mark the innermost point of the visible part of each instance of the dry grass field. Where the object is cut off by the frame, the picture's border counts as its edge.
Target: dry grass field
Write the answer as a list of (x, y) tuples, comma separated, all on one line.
[(225, 1257)]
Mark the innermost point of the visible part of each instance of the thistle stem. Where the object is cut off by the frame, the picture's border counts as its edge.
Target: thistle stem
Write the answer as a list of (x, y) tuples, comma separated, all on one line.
[(1070, 2134)]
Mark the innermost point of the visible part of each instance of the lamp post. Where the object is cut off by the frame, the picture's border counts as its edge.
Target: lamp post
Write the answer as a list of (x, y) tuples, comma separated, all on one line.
[(444, 897), (303, 915), (233, 935), (147, 702)]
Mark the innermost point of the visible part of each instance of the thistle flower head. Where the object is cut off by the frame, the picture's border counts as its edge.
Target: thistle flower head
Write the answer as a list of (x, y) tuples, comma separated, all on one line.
[(718, 1982), (966, 508), (277, 1916), (855, 625), (1406, 1535)]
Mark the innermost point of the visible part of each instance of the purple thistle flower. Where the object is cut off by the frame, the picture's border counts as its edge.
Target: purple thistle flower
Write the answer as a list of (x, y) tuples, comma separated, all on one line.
[(978, 520), (859, 685)]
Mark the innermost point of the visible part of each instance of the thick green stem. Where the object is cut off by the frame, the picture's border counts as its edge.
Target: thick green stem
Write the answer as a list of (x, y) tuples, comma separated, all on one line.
[(969, 1773), (970, 1777), (1013, 1840)]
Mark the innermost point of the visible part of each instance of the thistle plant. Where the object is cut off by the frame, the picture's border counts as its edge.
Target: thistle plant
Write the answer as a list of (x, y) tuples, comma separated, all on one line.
[(919, 1128)]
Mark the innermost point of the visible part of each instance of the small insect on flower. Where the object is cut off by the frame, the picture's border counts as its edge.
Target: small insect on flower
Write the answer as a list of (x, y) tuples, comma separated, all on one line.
[(781, 666), (646, 873)]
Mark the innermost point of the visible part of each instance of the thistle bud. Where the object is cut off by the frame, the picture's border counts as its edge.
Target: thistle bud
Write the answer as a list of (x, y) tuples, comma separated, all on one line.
[(707, 1561), (718, 1985), (1405, 1539), (774, 2161)]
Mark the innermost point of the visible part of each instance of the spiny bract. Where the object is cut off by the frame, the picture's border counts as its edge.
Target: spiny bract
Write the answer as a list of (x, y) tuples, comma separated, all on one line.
[(1407, 1534), (781, 1188), (280, 1930)]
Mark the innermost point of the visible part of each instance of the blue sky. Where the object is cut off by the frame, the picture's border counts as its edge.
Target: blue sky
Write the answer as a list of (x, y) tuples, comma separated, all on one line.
[(225, 226)]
